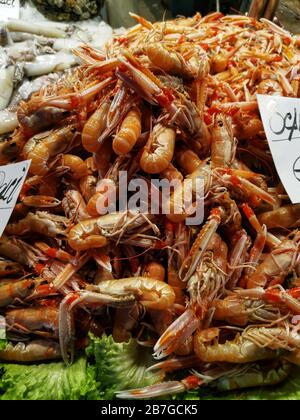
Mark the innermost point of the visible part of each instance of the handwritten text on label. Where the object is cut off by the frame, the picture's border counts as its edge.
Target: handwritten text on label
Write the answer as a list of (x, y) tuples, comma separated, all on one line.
[(281, 120), (12, 178), (9, 9), (287, 124), (8, 2)]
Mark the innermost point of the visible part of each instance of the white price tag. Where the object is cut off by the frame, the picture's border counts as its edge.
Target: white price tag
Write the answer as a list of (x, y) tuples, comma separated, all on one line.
[(281, 120), (12, 178), (9, 9)]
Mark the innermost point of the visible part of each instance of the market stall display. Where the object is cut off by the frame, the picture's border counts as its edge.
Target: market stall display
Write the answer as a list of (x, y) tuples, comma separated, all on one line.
[(34, 54), (174, 101)]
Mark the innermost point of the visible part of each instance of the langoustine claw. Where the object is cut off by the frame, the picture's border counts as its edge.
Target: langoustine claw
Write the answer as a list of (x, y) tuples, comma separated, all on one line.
[(151, 293), (35, 351)]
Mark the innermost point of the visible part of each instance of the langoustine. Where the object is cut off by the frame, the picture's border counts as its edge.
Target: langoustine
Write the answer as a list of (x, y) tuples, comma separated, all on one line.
[(181, 111)]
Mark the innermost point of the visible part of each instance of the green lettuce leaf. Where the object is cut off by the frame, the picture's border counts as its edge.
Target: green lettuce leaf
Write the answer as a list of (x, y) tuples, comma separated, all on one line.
[(3, 343), (111, 367), (51, 381), (120, 366)]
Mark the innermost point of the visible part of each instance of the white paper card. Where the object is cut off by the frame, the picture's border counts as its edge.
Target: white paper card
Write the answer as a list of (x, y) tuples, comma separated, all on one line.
[(281, 120), (12, 178), (9, 9)]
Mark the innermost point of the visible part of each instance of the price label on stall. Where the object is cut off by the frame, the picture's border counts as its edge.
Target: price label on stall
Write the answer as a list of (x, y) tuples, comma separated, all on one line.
[(12, 178), (281, 120), (9, 9)]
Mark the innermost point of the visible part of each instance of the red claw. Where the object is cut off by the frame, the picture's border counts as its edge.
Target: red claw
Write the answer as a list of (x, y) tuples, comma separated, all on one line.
[(273, 295), (165, 98), (42, 291), (39, 268), (247, 210), (122, 40), (51, 252), (160, 244), (277, 296), (295, 292), (192, 382), (208, 119), (72, 298), (204, 46), (181, 40)]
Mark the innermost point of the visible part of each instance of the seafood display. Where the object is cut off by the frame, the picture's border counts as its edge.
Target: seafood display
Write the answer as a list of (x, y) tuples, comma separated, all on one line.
[(36, 53), (70, 9), (217, 297)]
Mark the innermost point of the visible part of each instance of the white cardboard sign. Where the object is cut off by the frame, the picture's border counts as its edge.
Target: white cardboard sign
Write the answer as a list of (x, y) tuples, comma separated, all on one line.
[(12, 178), (9, 9), (281, 120)]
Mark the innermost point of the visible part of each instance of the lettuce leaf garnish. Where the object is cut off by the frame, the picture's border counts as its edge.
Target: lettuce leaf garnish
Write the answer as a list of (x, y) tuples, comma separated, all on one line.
[(120, 366), (3, 343), (48, 381), (110, 367)]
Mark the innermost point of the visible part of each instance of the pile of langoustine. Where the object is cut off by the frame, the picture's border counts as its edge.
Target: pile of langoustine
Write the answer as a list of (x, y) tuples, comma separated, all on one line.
[(173, 100)]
